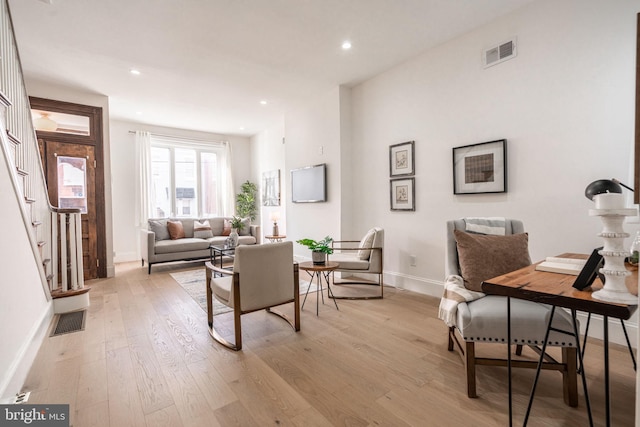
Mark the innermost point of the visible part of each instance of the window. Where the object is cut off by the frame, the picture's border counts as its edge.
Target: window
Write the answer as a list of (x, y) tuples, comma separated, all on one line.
[(185, 178)]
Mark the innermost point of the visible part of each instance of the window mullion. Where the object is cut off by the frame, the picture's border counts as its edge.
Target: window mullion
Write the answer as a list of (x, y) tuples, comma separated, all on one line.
[(172, 162)]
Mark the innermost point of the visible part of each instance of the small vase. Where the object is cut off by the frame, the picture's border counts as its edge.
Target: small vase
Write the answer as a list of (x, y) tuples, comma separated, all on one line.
[(233, 238), (318, 258)]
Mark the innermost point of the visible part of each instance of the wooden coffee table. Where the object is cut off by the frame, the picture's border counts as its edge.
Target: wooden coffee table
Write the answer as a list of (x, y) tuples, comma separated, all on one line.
[(319, 271)]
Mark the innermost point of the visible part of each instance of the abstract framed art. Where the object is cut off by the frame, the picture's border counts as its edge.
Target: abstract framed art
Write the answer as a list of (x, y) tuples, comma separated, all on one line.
[(403, 194), (401, 159), (480, 168)]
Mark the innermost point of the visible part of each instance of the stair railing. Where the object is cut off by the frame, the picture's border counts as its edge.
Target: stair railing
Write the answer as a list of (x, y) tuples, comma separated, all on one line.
[(44, 222)]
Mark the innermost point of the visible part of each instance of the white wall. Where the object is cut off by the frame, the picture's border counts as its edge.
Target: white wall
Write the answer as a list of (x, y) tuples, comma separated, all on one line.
[(313, 136), (565, 104), (268, 154), (24, 310), (126, 233)]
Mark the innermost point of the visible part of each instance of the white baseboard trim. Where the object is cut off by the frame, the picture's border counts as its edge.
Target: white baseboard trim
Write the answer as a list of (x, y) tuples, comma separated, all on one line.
[(434, 288), (15, 375)]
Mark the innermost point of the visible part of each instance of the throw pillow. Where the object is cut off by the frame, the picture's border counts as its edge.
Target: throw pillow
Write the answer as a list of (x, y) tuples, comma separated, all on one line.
[(246, 230), (159, 227), (176, 231), (202, 230), (366, 242), (227, 228), (483, 257)]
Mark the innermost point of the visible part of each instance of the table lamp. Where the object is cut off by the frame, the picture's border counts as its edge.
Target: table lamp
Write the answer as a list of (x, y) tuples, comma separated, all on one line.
[(275, 216), (610, 207)]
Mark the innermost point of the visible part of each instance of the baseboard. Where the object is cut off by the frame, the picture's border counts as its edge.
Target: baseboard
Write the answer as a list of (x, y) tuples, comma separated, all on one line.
[(596, 327), (16, 374)]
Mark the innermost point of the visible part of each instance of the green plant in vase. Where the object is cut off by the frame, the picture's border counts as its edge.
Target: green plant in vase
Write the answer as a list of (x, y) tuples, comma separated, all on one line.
[(246, 201), (319, 248)]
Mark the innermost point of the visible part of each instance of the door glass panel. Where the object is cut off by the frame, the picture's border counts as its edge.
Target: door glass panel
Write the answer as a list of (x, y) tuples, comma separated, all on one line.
[(186, 200), (209, 184), (52, 121), (161, 182), (72, 183)]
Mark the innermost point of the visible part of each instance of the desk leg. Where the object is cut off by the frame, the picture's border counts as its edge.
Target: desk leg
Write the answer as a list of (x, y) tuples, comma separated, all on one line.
[(509, 359), (582, 373), (535, 381), (606, 371)]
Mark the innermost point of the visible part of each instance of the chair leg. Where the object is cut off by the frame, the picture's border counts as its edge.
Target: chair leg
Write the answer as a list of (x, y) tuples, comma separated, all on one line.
[(470, 362), (570, 376), (450, 343)]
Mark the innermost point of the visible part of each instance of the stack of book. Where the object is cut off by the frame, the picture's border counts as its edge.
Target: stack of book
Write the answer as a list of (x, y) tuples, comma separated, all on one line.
[(562, 265)]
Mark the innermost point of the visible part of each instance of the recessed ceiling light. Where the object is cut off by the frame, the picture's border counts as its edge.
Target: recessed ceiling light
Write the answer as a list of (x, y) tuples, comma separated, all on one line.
[(263, 102), (241, 128), (139, 113), (134, 72), (346, 45)]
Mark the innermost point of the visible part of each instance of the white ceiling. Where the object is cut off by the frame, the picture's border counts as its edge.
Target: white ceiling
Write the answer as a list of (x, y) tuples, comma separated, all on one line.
[(207, 64)]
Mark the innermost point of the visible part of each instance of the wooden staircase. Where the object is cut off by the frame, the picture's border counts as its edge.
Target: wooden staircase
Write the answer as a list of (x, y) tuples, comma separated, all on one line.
[(55, 234)]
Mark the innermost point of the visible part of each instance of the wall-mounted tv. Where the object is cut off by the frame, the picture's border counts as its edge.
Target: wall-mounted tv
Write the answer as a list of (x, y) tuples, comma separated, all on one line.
[(309, 184)]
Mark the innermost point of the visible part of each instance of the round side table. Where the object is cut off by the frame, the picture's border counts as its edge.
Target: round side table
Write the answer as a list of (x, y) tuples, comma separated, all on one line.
[(319, 271), (277, 238)]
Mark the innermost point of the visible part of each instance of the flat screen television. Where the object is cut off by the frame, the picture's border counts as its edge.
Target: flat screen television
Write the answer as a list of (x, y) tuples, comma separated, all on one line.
[(309, 184)]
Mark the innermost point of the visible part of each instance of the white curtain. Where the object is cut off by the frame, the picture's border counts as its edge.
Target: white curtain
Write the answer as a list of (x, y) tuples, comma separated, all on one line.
[(228, 194), (143, 174)]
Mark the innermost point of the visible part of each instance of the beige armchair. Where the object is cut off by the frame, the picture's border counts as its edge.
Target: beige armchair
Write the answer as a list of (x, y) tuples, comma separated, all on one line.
[(263, 276), (360, 259), (482, 319)]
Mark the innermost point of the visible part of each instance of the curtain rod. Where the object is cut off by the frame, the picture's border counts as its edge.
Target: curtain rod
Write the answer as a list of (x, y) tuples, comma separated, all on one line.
[(189, 138)]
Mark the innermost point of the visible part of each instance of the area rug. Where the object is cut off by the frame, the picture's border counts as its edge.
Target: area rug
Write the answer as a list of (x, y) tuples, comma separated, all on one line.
[(194, 283)]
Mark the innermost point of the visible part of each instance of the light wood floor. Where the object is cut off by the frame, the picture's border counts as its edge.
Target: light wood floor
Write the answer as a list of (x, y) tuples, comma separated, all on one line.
[(145, 358)]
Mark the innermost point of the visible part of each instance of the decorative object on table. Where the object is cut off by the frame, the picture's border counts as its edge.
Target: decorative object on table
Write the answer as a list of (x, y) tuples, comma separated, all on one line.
[(402, 194), (319, 249), (271, 188), (236, 226), (480, 168), (246, 201), (275, 216), (610, 207), (402, 159)]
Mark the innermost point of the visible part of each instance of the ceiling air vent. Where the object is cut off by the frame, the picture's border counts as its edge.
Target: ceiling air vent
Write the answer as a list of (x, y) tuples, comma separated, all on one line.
[(500, 53)]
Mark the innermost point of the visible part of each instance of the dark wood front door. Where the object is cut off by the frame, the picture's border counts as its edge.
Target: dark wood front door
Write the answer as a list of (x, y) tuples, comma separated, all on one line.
[(73, 165), (71, 180)]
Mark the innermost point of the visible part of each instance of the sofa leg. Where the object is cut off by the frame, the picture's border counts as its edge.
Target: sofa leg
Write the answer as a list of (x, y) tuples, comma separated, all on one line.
[(143, 263), (470, 362), (149, 268)]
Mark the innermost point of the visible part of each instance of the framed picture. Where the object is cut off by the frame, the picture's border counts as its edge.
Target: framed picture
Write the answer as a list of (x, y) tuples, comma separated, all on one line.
[(271, 188), (401, 159), (480, 168), (403, 194)]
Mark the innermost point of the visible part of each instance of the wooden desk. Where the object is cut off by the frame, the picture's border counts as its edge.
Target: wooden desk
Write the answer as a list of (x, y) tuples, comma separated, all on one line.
[(557, 290)]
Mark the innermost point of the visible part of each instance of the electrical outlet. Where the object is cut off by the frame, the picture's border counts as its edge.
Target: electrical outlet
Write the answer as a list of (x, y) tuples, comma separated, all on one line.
[(412, 260)]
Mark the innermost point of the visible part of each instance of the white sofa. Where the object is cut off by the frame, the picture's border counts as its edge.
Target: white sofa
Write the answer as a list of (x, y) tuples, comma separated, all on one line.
[(156, 245)]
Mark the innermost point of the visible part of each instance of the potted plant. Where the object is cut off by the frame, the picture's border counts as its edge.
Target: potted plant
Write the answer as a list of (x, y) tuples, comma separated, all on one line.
[(246, 201), (236, 226), (319, 249)]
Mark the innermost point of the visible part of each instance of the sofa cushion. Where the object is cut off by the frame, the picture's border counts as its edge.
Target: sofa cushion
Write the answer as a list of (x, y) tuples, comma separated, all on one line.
[(186, 244), (202, 230), (216, 224), (366, 242), (246, 230), (483, 257), (159, 227), (349, 261), (176, 231), (226, 230)]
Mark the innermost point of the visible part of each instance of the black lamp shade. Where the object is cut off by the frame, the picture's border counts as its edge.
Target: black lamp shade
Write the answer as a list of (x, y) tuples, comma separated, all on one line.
[(602, 186)]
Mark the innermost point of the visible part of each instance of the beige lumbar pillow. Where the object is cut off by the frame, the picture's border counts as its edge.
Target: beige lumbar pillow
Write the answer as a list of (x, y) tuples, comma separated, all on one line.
[(482, 257)]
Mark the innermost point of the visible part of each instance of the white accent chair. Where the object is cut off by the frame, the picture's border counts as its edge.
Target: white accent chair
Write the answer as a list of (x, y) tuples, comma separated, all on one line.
[(263, 276), (358, 259), (484, 320)]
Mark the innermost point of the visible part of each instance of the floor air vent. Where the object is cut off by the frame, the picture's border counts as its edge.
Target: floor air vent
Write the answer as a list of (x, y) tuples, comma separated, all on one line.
[(69, 322)]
